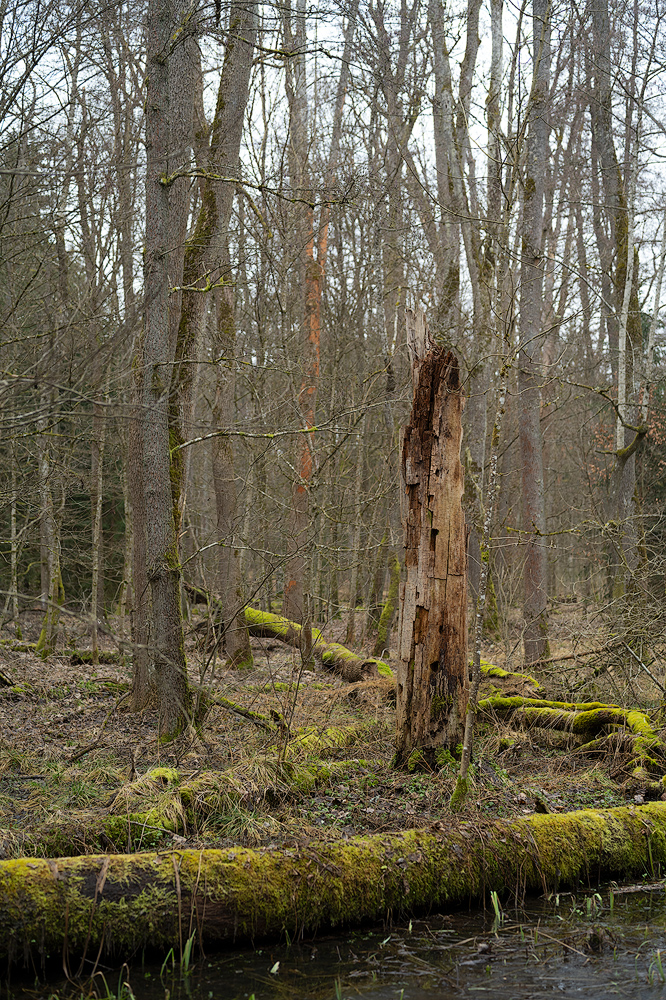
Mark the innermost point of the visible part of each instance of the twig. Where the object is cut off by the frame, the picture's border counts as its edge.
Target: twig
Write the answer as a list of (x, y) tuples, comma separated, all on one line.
[(641, 664), (584, 652)]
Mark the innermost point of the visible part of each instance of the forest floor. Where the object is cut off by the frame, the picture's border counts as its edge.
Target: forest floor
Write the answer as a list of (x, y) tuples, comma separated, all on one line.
[(78, 770)]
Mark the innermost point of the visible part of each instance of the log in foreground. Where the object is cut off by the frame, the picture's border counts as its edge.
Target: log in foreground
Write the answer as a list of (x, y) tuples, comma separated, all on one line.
[(118, 904)]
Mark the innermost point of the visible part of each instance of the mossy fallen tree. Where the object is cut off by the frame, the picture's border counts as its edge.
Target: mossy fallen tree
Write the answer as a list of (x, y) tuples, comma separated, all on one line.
[(332, 655), (499, 673), (122, 904), (586, 720)]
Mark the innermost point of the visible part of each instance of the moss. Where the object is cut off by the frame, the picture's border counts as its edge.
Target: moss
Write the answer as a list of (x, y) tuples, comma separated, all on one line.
[(459, 795), (165, 775), (383, 669), (440, 706), (315, 741), (491, 616), (386, 617), (444, 758), (490, 670), (127, 902), (416, 761)]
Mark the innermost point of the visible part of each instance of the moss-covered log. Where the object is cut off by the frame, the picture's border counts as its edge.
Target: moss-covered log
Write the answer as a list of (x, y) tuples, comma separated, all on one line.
[(584, 719), (332, 655), (499, 673), (125, 903)]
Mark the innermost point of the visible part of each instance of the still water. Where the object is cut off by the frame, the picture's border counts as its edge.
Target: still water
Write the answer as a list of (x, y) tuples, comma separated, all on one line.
[(610, 943)]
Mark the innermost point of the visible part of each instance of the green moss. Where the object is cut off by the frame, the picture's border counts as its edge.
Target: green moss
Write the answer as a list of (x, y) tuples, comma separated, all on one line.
[(490, 670), (164, 775), (386, 617), (383, 669), (444, 758), (440, 706), (416, 761), (459, 795), (315, 741)]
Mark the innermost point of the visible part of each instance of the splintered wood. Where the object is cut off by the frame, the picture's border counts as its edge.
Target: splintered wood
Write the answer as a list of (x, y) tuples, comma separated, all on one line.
[(433, 677)]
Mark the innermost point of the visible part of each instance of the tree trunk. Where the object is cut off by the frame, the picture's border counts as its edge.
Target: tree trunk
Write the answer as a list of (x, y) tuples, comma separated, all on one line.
[(207, 267), (96, 499), (382, 645), (162, 271), (236, 638), (356, 533), (80, 905), (535, 637), (432, 656), (142, 682)]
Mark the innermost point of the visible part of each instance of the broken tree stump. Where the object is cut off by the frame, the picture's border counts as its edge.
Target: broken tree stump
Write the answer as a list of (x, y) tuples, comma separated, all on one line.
[(432, 674)]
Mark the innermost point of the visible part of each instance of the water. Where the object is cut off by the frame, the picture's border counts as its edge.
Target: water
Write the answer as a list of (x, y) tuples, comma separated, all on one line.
[(610, 943)]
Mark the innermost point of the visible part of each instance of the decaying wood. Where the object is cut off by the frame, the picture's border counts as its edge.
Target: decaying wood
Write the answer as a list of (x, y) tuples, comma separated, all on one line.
[(121, 904), (432, 655)]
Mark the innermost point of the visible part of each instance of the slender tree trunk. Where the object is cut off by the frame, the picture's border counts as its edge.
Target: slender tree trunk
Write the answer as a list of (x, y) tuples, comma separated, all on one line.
[(97, 496), (236, 638), (531, 338), (432, 673), (13, 568), (312, 250), (207, 268), (142, 678), (161, 267), (624, 321), (356, 532)]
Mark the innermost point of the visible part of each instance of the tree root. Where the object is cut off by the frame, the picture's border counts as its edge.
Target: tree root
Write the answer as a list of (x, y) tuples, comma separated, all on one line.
[(121, 904), (587, 720)]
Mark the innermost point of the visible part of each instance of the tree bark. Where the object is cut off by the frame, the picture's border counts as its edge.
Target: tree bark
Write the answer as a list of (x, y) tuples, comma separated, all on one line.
[(535, 639), (163, 270), (432, 656)]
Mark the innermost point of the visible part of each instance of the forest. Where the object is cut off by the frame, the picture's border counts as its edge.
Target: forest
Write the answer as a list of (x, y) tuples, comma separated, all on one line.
[(333, 460)]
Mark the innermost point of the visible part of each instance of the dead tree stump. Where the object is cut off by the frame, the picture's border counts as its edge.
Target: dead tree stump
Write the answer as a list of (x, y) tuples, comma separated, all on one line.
[(433, 672)]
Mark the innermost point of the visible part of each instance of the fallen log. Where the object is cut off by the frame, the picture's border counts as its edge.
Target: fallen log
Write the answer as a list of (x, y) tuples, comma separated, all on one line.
[(587, 720), (120, 904), (332, 655)]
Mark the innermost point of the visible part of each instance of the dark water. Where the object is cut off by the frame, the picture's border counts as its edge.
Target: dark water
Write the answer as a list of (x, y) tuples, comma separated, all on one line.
[(610, 943)]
